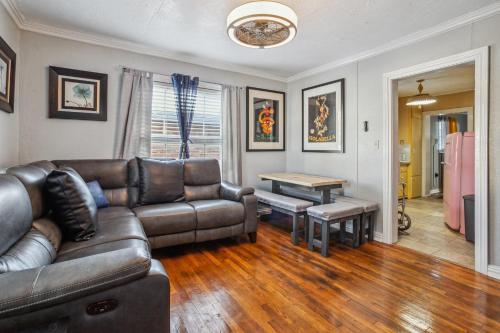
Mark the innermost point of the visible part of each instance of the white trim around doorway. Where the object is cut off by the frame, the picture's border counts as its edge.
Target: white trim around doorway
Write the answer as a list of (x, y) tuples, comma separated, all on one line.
[(480, 58)]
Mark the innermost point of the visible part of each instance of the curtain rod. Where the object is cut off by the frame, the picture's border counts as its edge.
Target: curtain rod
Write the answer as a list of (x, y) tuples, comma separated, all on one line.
[(169, 75)]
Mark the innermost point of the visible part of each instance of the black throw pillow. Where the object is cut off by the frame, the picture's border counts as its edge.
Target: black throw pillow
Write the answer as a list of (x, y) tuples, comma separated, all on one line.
[(160, 181), (72, 204)]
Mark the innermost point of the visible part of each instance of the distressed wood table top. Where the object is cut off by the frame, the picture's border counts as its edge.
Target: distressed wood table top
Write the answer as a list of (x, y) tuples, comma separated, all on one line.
[(301, 179)]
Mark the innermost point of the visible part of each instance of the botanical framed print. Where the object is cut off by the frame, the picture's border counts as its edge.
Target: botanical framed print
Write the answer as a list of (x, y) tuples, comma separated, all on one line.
[(265, 120), (75, 94), (323, 118), (7, 77)]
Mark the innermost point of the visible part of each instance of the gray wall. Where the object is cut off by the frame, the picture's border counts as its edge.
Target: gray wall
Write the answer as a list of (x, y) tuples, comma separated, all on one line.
[(361, 165), (9, 123), (44, 138), (362, 162)]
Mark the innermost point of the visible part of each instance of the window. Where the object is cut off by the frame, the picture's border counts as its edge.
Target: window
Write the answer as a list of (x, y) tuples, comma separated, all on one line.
[(206, 135)]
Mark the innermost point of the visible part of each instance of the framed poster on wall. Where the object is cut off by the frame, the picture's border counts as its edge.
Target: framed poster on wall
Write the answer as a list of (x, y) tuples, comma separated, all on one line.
[(265, 120), (323, 118), (7, 77), (75, 94)]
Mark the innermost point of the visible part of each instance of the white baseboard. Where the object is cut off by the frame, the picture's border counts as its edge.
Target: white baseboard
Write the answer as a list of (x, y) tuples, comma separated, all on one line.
[(378, 237), (494, 271)]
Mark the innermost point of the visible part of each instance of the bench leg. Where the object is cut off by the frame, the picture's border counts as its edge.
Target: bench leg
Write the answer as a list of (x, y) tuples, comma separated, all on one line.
[(371, 225), (362, 229), (342, 232), (306, 227), (325, 238), (295, 236), (355, 231), (311, 234)]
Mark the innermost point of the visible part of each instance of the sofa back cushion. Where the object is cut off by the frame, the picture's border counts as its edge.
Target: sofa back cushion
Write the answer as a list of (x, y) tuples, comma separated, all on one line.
[(201, 179), (33, 177), (160, 181), (16, 216), (72, 204), (112, 175)]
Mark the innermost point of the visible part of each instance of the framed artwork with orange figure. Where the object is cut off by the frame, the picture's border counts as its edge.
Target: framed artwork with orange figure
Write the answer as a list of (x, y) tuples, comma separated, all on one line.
[(265, 120)]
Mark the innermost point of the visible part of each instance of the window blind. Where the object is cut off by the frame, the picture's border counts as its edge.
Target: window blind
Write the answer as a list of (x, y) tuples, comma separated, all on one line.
[(206, 135)]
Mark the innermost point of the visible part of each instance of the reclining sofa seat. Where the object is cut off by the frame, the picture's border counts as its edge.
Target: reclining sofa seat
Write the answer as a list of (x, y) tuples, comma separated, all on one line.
[(40, 290), (50, 284)]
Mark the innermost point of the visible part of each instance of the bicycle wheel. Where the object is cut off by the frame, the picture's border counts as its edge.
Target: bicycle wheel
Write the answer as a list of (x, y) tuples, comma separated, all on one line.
[(404, 221)]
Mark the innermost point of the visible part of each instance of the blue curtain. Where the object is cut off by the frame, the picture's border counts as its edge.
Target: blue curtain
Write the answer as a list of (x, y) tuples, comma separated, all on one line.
[(185, 90)]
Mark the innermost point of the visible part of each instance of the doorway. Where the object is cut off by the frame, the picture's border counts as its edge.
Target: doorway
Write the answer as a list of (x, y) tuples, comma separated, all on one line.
[(391, 169), (433, 108)]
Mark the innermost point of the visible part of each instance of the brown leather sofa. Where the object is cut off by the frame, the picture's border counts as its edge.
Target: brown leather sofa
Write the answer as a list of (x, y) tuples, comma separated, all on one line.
[(108, 283)]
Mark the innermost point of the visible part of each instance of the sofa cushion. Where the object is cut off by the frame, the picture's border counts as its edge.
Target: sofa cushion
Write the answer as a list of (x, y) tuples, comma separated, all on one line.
[(128, 227), (206, 192), (160, 181), (97, 193), (112, 175), (217, 213), (110, 213), (103, 248), (15, 212), (164, 219), (72, 204), (33, 250), (199, 171)]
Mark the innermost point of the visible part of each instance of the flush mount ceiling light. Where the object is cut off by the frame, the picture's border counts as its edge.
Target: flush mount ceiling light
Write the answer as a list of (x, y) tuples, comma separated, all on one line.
[(262, 24), (420, 99)]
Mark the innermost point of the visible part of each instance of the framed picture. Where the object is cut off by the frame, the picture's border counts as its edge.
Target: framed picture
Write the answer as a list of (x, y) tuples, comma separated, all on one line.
[(323, 118), (75, 94), (265, 120), (7, 77)]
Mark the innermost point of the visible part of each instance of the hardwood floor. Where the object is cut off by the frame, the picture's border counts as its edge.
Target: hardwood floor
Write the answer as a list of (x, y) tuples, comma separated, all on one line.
[(274, 286)]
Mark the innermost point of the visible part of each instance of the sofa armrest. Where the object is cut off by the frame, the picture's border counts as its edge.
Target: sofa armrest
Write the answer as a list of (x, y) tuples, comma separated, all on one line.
[(234, 192), (42, 287)]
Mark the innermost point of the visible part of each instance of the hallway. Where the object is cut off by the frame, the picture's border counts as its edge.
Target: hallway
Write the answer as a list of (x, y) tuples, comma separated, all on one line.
[(430, 235)]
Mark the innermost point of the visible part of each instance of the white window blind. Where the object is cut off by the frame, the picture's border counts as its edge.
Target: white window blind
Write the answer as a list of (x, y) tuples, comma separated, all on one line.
[(206, 135)]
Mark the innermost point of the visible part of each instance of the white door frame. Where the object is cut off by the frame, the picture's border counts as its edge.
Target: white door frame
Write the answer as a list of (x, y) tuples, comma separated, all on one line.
[(480, 58), (426, 146)]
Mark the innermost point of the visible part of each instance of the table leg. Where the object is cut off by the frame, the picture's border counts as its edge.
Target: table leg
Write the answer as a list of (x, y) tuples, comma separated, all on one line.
[(275, 187), (325, 197)]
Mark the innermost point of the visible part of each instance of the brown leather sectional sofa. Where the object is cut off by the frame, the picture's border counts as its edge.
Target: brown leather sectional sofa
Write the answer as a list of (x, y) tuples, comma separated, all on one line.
[(108, 283)]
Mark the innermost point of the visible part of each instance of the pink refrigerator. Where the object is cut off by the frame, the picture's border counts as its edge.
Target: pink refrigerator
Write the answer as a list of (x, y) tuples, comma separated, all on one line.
[(458, 177)]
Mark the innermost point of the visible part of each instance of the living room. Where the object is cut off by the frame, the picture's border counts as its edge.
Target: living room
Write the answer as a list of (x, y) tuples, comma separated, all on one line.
[(247, 169)]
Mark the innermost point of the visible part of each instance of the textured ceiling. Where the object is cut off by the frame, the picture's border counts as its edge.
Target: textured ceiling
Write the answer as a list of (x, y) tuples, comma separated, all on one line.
[(328, 30), (444, 81)]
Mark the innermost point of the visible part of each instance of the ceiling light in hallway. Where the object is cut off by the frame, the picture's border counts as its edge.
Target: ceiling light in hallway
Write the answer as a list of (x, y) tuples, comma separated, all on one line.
[(421, 99)]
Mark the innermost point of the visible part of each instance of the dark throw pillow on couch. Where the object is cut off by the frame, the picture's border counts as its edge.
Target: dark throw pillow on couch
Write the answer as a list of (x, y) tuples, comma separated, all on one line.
[(72, 204), (160, 181), (98, 194)]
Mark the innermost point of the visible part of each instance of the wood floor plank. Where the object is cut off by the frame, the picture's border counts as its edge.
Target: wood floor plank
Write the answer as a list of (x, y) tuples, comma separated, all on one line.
[(233, 285)]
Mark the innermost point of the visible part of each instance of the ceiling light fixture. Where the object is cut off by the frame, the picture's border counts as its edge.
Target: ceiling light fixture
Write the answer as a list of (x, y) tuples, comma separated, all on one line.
[(262, 24), (421, 99)]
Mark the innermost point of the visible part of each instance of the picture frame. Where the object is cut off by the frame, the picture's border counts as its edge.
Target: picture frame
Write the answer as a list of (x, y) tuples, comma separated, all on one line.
[(266, 122), (323, 117), (7, 77), (76, 94)]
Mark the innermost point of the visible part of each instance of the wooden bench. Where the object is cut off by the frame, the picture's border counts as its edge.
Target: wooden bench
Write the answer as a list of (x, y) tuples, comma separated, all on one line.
[(296, 208), (329, 214), (370, 208)]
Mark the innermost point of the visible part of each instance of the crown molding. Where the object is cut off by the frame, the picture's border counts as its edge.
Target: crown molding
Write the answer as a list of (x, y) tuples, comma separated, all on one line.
[(105, 41), (452, 24), (418, 36)]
